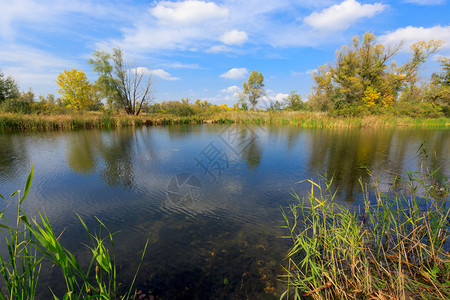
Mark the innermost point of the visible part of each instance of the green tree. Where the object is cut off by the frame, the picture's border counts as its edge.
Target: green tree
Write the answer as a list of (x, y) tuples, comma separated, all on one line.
[(275, 106), (323, 91), (420, 52), (241, 103), (8, 88), (253, 89), (28, 96), (362, 80), (74, 88), (202, 104), (123, 85), (438, 91), (294, 101)]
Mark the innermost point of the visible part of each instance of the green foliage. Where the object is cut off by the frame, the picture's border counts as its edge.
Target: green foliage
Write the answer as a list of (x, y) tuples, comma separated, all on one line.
[(202, 104), (30, 242), (362, 82), (20, 270), (438, 91), (8, 88), (15, 106), (418, 109), (275, 106), (253, 89), (177, 108), (123, 86), (420, 52), (393, 249), (241, 103), (294, 102)]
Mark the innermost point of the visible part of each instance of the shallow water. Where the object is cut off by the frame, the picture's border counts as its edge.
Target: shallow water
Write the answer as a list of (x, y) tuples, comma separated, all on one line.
[(207, 196)]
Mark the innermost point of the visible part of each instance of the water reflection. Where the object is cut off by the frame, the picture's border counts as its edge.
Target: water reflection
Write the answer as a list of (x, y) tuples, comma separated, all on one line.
[(345, 154), (81, 152), (252, 151), (112, 154), (231, 231), (13, 155)]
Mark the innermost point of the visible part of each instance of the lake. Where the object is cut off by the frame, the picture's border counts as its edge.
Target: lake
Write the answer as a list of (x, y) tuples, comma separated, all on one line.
[(208, 197)]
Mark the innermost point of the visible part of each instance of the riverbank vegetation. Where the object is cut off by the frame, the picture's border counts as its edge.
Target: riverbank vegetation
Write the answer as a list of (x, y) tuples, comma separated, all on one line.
[(364, 83), (299, 119), (395, 246), (31, 243)]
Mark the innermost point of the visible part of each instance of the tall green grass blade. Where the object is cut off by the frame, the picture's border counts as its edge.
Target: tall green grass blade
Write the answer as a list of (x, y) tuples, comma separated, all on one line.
[(27, 185)]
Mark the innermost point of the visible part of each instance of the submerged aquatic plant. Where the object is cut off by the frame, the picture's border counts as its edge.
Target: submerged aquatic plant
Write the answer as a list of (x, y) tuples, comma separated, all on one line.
[(393, 248), (32, 241)]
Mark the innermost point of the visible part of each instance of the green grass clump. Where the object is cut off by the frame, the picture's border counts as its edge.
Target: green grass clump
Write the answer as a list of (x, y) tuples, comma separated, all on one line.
[(306, 119), (392, 249), (30, 242)]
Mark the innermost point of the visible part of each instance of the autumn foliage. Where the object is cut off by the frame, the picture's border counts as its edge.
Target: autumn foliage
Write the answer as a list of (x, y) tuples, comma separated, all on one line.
[(74, 88)]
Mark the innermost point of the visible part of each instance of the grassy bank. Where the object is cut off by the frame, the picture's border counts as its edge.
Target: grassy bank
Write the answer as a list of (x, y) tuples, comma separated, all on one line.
[(393, 248), (30, 242), (298, 119)]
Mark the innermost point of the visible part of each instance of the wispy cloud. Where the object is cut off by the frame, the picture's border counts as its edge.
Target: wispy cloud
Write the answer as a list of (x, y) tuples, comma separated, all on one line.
[(307, 72), (234, 37), (198, 25), (231, 90), (342, 16), (235, 73), (218, 49), (163, 75), (188, 12), (411, 34), (178, 65), (33, 14), (31, 66)]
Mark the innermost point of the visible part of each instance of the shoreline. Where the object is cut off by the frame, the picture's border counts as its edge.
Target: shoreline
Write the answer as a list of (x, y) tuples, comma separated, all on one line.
[(298, 119)]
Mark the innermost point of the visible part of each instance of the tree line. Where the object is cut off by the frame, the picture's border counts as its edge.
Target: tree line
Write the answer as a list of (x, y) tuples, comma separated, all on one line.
[(364, 79)]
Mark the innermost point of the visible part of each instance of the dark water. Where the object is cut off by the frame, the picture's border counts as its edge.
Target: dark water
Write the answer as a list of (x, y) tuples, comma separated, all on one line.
[(207, 196)]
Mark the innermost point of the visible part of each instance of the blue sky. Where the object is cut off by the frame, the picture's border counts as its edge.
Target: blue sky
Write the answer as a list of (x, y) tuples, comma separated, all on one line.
[(206, 49)]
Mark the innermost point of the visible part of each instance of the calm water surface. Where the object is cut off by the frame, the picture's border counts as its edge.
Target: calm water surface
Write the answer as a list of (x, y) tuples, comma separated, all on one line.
[(207, 196)]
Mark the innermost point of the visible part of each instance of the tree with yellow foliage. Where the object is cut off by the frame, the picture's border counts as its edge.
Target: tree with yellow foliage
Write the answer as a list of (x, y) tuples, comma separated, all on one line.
[(365, 76), (74, 88)]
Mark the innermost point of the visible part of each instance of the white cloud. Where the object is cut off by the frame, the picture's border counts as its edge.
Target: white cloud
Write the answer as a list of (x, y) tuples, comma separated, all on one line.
[(235, 73), (281, 96), (310, 71), (178, 65), (341, 16), (163, 75), (15, 14), (184, 25), (31, 57), (32, 67), (231, 90), (411, 34), (234, 37), (188, 12), (141, 70), (270, 97), (218, 49), (307, 72), (198, 25)]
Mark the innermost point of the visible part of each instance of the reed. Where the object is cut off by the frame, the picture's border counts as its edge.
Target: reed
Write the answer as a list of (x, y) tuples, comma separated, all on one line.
[(392, 248), (31, 241), (286, 118)]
